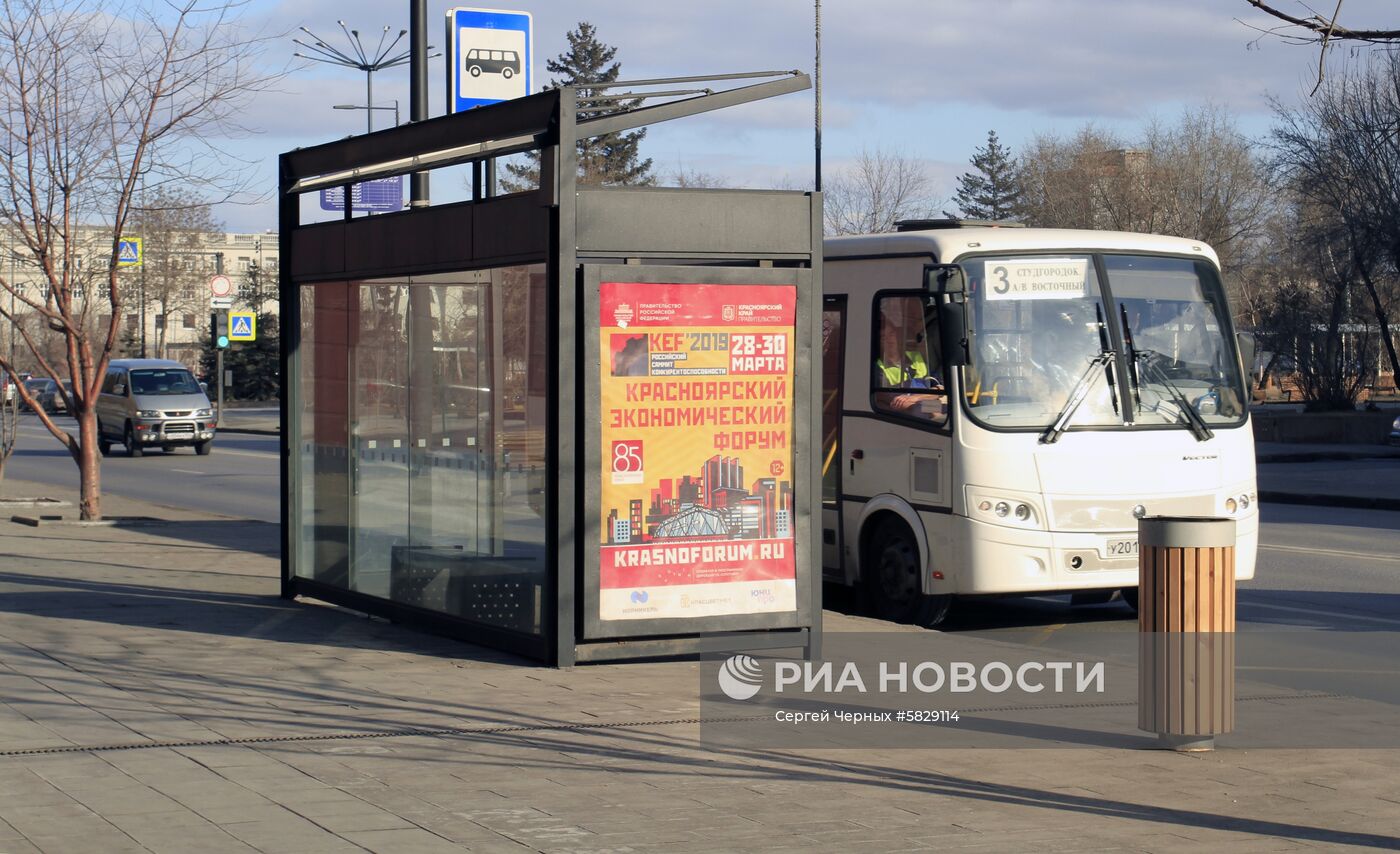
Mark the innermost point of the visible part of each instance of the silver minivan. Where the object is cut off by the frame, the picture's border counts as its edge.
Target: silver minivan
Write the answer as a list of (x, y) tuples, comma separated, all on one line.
[(153, 403)]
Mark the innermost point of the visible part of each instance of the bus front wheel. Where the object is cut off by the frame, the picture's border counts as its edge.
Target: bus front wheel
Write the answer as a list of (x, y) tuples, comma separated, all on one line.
[(893, 576)]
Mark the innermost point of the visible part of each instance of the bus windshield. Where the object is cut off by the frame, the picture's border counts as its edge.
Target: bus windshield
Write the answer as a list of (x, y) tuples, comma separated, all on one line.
[(1035, 335), (1038, 324), (1174, 312)]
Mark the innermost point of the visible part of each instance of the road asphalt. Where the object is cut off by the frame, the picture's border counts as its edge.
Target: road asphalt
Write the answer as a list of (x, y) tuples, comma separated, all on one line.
[(1357, 476)]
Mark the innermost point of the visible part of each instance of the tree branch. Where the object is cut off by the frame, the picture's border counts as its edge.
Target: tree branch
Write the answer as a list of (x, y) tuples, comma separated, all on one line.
[(1327, 28)]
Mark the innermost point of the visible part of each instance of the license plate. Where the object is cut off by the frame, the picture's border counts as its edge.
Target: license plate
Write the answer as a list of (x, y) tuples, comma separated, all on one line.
[(1121, 548)]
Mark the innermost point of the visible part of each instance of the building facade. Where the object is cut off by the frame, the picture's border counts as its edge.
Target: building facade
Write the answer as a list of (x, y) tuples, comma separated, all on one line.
[(165, 296)]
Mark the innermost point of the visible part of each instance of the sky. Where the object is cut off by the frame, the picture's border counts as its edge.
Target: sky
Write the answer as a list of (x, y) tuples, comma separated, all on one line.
[(926, 79)]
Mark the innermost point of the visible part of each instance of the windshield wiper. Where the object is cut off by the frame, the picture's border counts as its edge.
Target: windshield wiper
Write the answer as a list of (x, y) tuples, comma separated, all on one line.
[(1198, 425), (1103, 360), (1076, 397), (1131, 353)]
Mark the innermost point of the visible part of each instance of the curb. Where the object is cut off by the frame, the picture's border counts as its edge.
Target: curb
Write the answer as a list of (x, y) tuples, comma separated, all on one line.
[(252, 431), (1324, 456), (107, 522), (33, 503), (1359, 502)]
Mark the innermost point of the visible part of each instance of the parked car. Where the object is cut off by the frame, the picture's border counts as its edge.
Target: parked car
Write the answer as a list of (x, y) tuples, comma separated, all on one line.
[(1395, 432), (153, 403), (57, 402), (43, 390)]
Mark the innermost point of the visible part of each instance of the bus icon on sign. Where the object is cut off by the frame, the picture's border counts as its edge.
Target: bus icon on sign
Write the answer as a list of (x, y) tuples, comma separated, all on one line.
[(503, 62)]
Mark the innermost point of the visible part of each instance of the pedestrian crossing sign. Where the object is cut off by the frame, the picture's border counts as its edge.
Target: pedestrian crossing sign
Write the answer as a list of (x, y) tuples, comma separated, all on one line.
[(129, 252), (242, 326)]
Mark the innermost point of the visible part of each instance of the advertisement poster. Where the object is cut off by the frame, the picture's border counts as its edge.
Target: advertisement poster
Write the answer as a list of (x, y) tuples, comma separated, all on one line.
[(697, 445)]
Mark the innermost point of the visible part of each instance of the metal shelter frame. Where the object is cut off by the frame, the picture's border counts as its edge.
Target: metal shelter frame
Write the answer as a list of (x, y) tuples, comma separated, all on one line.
[(578, 233)]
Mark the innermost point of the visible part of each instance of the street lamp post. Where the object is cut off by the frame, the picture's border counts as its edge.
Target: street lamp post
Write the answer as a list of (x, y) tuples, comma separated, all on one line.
[(370, 108), (13, 322), (368, 62)]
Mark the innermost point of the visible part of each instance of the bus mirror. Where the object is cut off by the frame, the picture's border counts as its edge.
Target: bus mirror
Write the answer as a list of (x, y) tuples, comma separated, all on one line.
[(1248, 348), (946, 279), (952, 332)]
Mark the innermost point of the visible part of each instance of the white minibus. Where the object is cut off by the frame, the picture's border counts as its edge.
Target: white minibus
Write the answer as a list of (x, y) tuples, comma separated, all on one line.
[(1002, 404)]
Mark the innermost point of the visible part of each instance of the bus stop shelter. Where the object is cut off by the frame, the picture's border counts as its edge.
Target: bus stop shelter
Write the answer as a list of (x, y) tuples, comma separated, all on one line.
[(575, 422)]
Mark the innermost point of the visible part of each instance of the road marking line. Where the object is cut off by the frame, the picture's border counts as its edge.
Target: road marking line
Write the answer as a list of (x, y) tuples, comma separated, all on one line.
[(1045, 633), (40, 431), (1318, 612), (246, 453), (189, 471), (1332, 552), (1285, 669)]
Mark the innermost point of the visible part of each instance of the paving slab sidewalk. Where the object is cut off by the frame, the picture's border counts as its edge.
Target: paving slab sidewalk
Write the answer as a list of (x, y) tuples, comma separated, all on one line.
[(258, 420), (116, 640)]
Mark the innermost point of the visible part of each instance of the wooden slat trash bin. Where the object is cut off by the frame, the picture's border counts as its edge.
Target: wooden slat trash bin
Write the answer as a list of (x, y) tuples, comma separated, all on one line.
[(1186, 626)]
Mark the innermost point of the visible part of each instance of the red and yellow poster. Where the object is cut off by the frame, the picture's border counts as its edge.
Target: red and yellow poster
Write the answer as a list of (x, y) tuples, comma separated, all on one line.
[(697, 499)]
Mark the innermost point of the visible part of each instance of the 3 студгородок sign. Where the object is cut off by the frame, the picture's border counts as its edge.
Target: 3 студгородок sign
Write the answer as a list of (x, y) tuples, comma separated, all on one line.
[(697, 498)]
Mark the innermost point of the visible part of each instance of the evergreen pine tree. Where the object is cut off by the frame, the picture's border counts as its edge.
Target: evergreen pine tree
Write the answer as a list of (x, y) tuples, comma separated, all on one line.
[(992, 192), (608, 159)]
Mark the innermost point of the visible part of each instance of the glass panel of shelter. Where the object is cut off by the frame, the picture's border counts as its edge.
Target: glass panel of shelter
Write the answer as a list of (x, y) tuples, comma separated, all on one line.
[(441, 475)]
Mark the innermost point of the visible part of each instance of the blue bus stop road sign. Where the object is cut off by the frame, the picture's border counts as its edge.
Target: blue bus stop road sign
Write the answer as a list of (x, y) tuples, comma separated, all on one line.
[(491, 52)]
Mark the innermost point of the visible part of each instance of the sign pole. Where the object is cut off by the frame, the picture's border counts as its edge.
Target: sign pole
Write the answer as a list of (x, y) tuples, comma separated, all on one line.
[(418, 88), (219, 371)]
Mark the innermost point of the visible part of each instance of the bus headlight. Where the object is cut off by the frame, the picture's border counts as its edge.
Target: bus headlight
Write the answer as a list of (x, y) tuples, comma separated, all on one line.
[(1004, 508), (1240, 503)]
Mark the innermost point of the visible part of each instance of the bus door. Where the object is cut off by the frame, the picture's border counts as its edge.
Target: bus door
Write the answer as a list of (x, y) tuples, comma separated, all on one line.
[(833, 363)]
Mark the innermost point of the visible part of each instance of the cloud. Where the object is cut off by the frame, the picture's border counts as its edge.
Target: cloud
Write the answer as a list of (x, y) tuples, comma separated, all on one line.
[(925, 76)]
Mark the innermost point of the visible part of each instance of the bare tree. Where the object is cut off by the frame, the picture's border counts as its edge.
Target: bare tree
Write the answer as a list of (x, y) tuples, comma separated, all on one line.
[(1075, 182), (93, 104), (1340, 150), (1322, 30), (1308, 318), (692, 179), (173, 226), (1198, 177), (876, 191)]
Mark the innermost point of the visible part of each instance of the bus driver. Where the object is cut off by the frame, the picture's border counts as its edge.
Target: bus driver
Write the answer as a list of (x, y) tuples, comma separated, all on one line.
[(904, 364)]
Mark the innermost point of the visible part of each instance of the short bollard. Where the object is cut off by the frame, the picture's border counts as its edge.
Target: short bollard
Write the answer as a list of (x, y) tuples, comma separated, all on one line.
[(1186, 626)]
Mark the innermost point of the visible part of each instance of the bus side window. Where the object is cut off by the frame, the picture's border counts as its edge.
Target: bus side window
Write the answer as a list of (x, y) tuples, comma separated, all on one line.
[(833, 350), (907, 369)]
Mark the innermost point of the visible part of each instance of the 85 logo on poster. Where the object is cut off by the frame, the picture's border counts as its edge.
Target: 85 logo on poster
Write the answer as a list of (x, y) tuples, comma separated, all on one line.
[(627, 461)]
